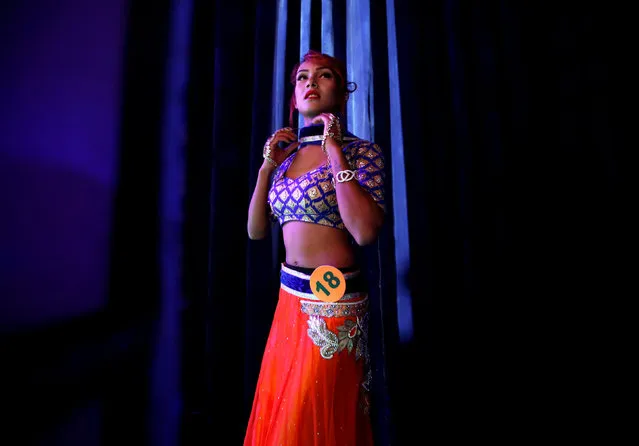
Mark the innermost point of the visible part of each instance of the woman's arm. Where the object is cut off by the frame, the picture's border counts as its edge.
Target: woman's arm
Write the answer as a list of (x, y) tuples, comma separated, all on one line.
[(362, 216), (258, 220)]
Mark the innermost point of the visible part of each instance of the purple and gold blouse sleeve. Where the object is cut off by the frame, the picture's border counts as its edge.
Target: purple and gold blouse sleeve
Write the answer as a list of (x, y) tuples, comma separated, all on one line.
[(367, 159)]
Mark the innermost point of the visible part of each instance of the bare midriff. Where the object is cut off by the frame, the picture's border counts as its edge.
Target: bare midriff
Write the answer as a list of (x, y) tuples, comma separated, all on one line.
[(311, 245)]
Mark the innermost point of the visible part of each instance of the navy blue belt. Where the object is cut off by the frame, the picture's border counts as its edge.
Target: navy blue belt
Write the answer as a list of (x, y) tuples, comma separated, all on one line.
[(298, 283)]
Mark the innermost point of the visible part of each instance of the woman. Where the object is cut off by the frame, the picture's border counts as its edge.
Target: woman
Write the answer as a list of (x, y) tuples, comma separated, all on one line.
[(326, 189)]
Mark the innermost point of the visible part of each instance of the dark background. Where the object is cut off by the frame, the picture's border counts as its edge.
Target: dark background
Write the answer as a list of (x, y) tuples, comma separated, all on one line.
[(134, 307)]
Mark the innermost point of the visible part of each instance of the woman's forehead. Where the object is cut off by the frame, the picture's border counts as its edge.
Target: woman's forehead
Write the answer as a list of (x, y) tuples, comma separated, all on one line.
[(312, 66)]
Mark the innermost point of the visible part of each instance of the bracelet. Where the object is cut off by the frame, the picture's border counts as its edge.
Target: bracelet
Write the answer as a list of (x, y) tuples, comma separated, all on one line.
[(337, 134), (267, 153), (271, 160), (345, 175), (328, 133), (323, 146)]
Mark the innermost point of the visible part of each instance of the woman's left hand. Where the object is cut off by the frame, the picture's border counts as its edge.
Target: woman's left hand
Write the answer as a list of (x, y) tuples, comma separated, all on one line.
[(331, 124), (323, 118)]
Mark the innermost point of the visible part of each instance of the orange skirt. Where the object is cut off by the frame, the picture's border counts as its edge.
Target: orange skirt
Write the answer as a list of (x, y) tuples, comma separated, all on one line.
[(313, 387)]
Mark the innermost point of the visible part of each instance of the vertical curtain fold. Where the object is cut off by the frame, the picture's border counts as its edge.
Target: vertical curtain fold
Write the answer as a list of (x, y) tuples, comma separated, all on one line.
[(166, 405), (328, 45), (360, 117), (262, 257)]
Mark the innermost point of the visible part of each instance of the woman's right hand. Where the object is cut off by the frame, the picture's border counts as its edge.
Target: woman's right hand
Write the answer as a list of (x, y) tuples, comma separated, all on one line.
[(273, 154)]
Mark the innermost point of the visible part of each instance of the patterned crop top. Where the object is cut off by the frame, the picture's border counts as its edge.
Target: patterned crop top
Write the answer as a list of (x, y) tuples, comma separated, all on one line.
[(311, 197)]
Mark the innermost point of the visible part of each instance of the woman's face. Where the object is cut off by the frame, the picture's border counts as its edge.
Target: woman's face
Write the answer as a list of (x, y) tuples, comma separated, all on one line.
[(315, 90)]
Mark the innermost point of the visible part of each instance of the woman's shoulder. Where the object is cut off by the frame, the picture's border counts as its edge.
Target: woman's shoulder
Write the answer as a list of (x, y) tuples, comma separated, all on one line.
[(362, 147)]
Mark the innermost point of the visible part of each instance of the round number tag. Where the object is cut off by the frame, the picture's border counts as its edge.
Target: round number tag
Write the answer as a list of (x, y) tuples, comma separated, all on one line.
[(327, 283)]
